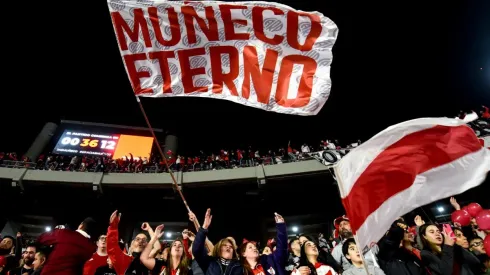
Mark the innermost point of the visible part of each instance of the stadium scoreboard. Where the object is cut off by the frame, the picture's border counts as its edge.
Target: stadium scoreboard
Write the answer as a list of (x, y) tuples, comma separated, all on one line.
[(101, 144)]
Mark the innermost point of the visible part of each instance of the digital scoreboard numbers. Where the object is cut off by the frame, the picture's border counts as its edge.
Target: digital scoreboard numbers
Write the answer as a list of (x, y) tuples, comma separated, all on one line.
[(83, 143)]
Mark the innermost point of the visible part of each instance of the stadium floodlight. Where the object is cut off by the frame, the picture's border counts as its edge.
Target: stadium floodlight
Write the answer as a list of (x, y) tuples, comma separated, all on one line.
[(440, 209), (295, 229), (169, 235), (48, 228)]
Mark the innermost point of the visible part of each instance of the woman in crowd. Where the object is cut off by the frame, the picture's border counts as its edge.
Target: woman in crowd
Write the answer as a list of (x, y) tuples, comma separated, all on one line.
[(176, 263), (396, 259), (444, 255), (309, 263), (438, 250), (464, 259), (323, 256), (271, 264), (224, 258)]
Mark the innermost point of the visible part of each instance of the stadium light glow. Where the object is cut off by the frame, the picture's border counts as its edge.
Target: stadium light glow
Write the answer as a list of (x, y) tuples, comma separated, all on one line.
[(48, 228), (169, 235), (295, 229), (440, 209)]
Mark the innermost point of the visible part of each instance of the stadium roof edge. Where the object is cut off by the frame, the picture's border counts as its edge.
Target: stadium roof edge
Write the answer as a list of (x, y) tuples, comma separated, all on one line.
[(109, 125)]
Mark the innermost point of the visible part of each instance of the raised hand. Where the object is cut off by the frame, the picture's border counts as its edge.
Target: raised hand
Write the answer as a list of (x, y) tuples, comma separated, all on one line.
[(279, 218), (192, 216), (418, 221), (207, 219), (159, 231), (145, 226), (455, 203), (115, 218)]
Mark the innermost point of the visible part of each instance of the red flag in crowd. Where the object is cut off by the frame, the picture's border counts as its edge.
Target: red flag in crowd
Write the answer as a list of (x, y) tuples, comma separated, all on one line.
[(406, 166)]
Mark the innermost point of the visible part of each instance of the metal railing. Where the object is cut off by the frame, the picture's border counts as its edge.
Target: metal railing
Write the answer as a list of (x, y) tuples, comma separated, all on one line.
[(17, 164), (155, 167)]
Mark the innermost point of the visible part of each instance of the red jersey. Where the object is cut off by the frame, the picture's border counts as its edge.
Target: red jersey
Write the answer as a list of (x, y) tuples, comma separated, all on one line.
[(95, 262)]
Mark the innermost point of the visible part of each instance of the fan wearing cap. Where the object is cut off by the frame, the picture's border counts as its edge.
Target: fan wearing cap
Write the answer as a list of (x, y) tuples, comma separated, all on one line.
[(396, 252), (342, 226)]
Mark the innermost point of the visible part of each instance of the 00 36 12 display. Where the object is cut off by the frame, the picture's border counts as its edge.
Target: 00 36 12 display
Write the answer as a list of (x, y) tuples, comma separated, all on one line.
[(86, 143)]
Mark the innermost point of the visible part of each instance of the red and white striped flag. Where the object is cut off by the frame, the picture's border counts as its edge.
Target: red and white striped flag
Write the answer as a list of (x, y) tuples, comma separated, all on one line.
[(407, 166)]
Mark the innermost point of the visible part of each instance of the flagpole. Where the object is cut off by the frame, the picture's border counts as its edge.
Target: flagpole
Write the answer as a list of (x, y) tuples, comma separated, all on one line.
[(341, 189), (196, 222), (361, 254), (162, 154)]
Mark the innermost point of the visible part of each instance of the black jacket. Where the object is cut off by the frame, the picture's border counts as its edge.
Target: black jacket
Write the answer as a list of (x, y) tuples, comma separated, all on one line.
[(445, 263), (211, 265), (439, 264), (396, 260)]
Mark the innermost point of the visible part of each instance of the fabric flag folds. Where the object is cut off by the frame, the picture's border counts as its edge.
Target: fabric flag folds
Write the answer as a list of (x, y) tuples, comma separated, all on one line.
[(407, 166)]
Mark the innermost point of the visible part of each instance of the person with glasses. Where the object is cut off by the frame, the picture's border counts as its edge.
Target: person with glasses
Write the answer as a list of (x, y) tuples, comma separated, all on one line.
[(476, 246), (99, 258), (125, 263)]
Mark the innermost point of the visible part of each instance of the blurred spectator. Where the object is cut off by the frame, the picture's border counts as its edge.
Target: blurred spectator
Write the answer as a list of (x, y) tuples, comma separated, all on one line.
[(71, 249)]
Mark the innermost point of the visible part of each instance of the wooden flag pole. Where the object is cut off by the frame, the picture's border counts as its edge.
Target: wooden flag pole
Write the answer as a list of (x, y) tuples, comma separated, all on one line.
[(341, 189), (162, 154)]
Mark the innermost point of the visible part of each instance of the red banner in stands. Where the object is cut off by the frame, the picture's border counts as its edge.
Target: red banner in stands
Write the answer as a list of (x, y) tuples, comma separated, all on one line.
[(259, 54)]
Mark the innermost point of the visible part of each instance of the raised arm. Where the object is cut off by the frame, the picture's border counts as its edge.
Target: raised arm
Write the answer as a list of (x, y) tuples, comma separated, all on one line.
[(18, 246), (281, 253), (198, 250), (208, 244), (155, 247), (118, 258), (146, 258), (390, 243), (455, 203), (419, 222)]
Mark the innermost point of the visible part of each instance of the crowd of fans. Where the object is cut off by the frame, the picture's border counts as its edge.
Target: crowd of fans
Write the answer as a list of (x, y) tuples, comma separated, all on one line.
[(224, 159), (407, 248)]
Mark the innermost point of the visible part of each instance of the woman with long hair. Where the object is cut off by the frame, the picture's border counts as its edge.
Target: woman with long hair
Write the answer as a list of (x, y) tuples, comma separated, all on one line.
[(176, 263), (272, 264), (223, 260), (438, 250), (309, 263), (323, 256)]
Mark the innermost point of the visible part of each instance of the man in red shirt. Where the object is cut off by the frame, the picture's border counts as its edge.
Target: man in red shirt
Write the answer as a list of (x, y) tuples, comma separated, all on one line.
[(71, 249), (99, 258), (125, 263)]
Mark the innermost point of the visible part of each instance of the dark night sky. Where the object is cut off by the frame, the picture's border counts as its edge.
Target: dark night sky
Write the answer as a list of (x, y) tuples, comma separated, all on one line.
[(391, 63)]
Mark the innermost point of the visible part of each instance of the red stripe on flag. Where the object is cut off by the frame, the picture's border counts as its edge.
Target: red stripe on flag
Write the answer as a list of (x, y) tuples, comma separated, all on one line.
[(395, 169)]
